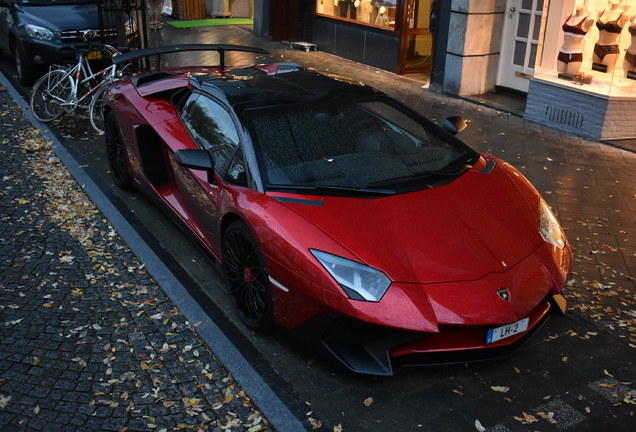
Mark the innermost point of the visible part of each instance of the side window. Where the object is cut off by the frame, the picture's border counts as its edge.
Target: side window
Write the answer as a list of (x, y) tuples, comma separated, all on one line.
[(236, 171), (212, 128)]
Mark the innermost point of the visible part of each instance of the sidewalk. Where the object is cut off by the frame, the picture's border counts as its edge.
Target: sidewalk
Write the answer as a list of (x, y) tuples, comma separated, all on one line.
[(88, 340)]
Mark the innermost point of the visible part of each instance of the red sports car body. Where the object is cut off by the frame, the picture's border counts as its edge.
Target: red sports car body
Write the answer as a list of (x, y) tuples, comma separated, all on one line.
[(333, 207)]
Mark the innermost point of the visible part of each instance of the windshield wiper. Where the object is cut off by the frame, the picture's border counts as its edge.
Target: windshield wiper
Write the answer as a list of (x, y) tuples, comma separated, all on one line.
[(324, 188), (424, 174)]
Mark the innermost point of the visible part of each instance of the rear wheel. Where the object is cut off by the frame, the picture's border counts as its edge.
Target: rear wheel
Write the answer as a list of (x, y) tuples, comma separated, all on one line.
[(247, 278), (115, 152), (49, 93)]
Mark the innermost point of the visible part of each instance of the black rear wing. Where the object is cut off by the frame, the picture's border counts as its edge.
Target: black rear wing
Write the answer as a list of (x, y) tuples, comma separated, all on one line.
[(159, 51)]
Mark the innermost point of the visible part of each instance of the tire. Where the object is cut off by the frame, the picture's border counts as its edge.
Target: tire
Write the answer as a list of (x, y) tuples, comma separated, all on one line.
[(247, 279), (95, 110), (25, 71), (116, 152), (48, 93)]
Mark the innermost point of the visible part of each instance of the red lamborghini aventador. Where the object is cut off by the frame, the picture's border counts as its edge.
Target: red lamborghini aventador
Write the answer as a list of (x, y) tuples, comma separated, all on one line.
[(333, 206)]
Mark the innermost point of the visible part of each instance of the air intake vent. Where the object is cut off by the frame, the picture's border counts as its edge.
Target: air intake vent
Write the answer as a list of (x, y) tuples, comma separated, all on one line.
[(564, 117)]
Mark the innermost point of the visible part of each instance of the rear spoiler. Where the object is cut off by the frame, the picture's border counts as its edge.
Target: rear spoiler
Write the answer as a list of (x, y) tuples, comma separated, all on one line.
[(158, 51)]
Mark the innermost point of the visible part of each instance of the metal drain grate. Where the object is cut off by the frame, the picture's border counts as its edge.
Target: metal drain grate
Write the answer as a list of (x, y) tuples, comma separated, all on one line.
[(564, 117)]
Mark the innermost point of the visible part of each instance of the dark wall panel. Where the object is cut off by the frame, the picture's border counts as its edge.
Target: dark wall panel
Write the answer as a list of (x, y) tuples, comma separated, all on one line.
[(358, 43), (324, 35), (382, 50), (350, 42)]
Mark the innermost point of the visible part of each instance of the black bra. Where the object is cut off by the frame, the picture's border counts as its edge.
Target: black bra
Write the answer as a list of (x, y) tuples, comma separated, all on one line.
[(632, 29), (610, 26)]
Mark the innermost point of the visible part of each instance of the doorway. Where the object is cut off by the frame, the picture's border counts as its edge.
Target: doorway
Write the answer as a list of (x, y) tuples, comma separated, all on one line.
[(417, 40), (521, 34)]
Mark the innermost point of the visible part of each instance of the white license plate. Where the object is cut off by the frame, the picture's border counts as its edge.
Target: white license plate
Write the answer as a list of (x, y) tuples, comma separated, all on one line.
[(506, 331)]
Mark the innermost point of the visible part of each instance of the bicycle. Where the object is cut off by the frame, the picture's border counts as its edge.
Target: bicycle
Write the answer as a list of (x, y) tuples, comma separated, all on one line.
[(61, 90)]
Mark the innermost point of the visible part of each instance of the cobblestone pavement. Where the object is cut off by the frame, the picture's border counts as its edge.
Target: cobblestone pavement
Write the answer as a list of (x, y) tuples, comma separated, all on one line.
[(88, 341)]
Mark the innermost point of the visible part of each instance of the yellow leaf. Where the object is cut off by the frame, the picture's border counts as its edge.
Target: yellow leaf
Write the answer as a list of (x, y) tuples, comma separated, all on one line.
[(458, 392), (36, 361), (48, 305), (368, 401), (500, 389)]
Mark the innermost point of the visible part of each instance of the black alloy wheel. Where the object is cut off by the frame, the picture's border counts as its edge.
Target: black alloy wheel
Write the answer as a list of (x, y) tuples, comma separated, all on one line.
[(247, 278), (116, 153)]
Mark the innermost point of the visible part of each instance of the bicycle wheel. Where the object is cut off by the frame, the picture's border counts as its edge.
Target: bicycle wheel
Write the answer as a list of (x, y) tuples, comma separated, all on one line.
[(50, 92), (95, 110)]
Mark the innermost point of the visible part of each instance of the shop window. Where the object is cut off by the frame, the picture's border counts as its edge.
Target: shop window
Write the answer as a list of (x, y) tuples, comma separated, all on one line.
[(590, 46), (379, 13)]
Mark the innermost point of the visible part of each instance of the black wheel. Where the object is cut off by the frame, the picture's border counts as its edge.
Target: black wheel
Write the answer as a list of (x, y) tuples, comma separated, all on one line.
[(247, 278), (48, 95), (116, 153), (24, 70)]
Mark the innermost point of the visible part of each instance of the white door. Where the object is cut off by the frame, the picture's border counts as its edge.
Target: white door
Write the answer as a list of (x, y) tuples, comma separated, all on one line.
[(522, 27)]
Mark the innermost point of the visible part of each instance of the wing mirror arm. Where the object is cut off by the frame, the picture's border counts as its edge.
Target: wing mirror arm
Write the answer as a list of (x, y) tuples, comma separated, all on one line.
[(454, 124), (197, 159)]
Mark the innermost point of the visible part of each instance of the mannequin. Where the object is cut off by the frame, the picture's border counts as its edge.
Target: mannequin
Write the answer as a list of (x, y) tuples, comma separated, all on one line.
[(574, 28), (629, 64), (610, 23)]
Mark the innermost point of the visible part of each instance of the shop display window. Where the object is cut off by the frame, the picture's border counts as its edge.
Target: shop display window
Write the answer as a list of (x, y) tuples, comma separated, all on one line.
[(378, 13), (590, 45)]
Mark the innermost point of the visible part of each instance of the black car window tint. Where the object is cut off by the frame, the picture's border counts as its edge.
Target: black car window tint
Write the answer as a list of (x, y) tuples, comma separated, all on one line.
[(348, 144), (212, 128)]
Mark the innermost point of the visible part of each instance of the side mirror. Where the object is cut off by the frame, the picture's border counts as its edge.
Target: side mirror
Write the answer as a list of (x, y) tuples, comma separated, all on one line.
[(198, 159), (454, 124)]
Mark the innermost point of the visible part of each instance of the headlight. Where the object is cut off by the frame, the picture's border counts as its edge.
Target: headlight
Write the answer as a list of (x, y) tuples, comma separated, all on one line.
[(131, 27), (39, 33), (359, 281), (549, 226)]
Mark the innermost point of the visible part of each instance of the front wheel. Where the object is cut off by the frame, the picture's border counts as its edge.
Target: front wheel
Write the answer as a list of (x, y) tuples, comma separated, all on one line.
[(247, 278), (95, 110), (26, 71), (49, 95)]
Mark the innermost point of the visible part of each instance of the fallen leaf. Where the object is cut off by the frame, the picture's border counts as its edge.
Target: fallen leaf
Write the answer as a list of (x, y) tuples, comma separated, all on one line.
[(315, 424), (368, 401), (526, 419), (4, 400), (500, 389), (479, 427)]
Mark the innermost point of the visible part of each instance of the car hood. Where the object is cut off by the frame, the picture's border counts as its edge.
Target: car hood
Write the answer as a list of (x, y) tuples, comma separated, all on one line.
[(475, 225), (62, 17)]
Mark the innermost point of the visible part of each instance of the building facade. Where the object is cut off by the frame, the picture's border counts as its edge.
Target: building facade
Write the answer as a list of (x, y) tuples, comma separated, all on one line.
[(574, 60)]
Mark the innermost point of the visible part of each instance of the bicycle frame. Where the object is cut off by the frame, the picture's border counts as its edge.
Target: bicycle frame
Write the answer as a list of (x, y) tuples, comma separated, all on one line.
[(82, 73)]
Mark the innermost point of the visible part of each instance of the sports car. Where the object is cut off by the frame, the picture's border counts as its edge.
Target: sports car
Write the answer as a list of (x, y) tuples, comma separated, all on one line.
[(336, 210)]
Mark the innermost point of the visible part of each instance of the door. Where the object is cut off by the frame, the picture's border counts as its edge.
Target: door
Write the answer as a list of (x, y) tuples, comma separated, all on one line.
[(522, 28), (212, 128), (417, 41)]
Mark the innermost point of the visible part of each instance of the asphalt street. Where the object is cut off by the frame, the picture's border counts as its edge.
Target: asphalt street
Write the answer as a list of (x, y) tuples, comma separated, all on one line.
[(95, 335)]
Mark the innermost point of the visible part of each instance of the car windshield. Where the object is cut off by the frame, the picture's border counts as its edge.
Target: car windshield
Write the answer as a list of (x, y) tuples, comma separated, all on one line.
[(347, 145), (52, 2)]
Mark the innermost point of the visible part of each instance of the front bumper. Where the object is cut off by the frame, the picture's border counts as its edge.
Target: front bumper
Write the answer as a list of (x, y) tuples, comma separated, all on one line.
[(376, 350)]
